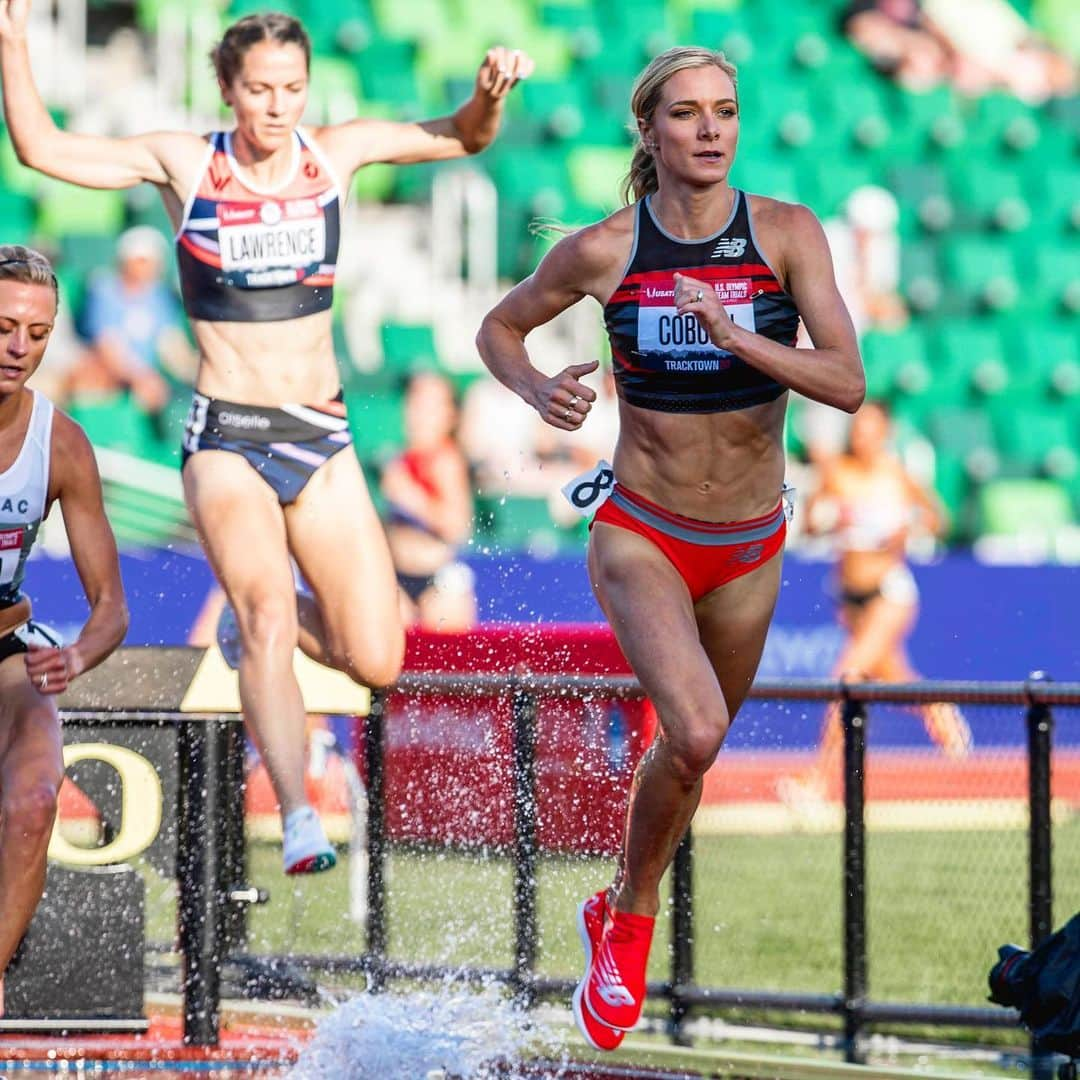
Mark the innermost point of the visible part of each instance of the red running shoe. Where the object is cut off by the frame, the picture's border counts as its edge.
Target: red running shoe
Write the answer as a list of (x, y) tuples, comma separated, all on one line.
[(615, 987), (591, 917)]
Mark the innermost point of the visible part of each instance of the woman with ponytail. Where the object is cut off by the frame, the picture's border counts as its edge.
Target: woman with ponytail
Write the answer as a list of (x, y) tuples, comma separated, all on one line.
[(268, 469), (702, 287)]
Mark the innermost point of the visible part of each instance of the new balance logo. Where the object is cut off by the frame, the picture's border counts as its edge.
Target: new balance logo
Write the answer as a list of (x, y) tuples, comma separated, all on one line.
[(616, 996), (729, 248)]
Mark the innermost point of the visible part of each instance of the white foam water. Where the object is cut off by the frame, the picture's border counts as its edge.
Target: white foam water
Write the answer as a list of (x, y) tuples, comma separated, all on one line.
[(441, 1034)]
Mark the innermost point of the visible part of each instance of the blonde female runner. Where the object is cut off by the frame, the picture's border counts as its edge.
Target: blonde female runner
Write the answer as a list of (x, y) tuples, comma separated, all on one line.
[(702, 287)]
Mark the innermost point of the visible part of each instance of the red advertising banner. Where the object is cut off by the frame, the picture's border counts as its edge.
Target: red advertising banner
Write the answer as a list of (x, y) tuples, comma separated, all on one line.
[(449, 759)]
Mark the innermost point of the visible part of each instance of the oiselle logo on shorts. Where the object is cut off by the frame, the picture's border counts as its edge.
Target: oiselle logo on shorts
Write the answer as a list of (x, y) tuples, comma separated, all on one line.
[(248, 421)]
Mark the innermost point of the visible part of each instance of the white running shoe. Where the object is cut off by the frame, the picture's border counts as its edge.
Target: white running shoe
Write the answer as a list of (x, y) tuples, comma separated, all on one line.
[(306, 849)]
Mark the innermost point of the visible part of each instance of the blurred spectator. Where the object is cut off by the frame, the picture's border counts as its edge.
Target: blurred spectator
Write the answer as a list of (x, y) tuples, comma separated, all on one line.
[(993, 47), (977, 45), (896, 37), (429, 510), (498, 433), (513, 452), (134, 326)]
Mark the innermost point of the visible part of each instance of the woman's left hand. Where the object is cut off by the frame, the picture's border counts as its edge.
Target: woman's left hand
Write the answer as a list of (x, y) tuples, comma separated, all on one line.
[(698, 298), (501, 71)]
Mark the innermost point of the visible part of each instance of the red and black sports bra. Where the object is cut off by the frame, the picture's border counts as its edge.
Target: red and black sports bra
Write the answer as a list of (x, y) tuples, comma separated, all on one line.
[(665, 361), (251, 255)]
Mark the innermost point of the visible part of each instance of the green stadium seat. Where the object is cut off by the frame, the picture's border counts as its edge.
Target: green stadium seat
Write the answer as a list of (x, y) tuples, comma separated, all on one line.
[(116, 422), (64, 209), (1023, 507), (922, 193), (920, 275), (531, 179), (1056, 287), (388, 74), (966, 435), (980, 275), (976, 351), (893, 360), (953, 486), (1053, 191), (596, 174), (346, 26), (415, 20), (772, 176), (1036, 441), (17, 212), (407, 347), (377, 423), (828, 184), (1046, 361), (987, 196)]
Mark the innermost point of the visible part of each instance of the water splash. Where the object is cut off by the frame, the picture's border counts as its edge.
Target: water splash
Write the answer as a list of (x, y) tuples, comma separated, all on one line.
[(448, 1033)]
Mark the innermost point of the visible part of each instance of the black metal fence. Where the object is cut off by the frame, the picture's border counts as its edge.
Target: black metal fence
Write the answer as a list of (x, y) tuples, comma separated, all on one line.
[(213, 894)]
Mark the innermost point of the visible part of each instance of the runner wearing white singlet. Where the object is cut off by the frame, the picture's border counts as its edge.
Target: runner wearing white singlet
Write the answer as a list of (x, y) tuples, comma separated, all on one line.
[(44, 458)]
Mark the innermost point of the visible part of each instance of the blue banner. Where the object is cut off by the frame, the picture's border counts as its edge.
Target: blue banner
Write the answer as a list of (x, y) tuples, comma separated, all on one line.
[(976, 621)]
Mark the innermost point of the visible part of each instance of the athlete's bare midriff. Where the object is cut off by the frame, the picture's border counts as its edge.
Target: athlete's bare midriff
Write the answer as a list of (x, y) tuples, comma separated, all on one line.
[(713, 467), (270, 363), (723, 466)]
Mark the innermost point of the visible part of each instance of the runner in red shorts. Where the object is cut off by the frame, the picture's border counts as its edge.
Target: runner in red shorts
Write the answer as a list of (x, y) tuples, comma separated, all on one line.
[(702, 287)]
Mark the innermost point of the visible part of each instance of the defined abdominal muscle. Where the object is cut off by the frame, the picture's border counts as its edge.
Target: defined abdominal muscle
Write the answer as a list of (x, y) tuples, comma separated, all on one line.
[(268, 363)]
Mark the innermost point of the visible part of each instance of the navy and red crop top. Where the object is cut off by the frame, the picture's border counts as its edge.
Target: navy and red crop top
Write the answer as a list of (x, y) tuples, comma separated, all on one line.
[(666, 361), (252, 255)]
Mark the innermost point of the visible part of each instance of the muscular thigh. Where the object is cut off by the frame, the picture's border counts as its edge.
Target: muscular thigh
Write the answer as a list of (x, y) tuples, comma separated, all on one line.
[(338, 542), (240, 524), (649, 609), (31, 747), (733, 622)]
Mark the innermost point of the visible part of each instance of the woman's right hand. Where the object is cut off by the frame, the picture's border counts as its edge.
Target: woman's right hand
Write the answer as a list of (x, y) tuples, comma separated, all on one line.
[(564, 402), (14, 15)]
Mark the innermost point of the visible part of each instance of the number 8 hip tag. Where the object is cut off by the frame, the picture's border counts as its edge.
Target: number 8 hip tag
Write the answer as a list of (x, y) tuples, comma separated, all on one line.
[(587, 492)]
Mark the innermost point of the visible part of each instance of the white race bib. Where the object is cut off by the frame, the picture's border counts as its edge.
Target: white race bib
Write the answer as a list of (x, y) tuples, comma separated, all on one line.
[(271, 237), (11, 542), (661, 329), (586, 493)]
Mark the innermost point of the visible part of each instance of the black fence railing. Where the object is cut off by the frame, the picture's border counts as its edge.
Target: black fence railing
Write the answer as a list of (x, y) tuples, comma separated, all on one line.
[(680, 990), (211, 869)]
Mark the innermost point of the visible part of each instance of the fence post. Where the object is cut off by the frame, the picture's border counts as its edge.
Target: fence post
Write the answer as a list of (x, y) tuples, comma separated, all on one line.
[(201, 748), (233, 868), (682, 935), (1040, 732), (376, 843), (855, 981), (524, 794)]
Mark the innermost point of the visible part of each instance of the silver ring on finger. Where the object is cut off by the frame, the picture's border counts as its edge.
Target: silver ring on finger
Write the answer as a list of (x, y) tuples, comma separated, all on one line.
[(574, 400), (567, 413), (700, 296), (44, 680)]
